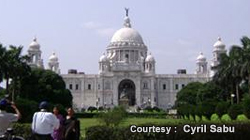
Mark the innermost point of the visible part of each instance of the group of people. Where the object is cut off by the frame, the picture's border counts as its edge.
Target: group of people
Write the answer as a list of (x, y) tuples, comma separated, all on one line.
[(45, 125), (54, 126)]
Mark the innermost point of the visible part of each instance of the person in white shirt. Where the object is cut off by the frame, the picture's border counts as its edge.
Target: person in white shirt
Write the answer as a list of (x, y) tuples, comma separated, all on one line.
[(44, 123), (7, 118)]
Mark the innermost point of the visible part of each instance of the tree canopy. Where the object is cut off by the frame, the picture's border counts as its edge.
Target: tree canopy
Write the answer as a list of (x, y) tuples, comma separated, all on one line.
[(234, 69), (13, 66), (198, 98), (46, 85)]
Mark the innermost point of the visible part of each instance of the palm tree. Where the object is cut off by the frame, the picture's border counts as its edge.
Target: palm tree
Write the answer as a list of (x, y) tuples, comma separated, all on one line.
[(222, 76), (245, 70), (236, 61), (18, 67), (13, 66), (228, 71), (2, 53)]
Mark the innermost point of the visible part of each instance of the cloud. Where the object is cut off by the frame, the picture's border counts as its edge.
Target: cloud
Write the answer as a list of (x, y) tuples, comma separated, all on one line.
[(99, 28), (91, 25)]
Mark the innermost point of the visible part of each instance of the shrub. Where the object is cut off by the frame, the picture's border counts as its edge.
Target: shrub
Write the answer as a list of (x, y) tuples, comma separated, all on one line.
[(157, 109), (242, 117), (234, 110), (92, 109), (204, 118), (225, 118), (101, 108), (215, 118), (246, 105), (99, 133), (186, 117), (191, 117), (23, 130), (83, 109), (221, 108), (113, 117), (148, 108), (147, 115), (197, 118)]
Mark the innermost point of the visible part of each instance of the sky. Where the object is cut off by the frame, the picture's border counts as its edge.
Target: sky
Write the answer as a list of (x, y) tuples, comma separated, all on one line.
[(78, 31)]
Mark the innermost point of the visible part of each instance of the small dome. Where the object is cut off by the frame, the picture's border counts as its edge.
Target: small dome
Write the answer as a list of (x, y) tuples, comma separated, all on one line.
[(219, 44), (150, 58), (103, 58), (34, 45), (201, 57), (53, 58)]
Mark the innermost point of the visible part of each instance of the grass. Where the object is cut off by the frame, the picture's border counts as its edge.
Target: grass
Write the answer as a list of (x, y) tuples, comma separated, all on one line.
[(88, 122)]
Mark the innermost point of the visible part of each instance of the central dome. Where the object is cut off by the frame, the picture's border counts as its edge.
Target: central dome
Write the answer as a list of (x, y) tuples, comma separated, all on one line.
[(127, 34)]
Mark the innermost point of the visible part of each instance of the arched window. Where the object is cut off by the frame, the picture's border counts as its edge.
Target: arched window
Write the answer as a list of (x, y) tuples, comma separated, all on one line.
[(164, 86), (89, 86), (70, 86), (176, 86)]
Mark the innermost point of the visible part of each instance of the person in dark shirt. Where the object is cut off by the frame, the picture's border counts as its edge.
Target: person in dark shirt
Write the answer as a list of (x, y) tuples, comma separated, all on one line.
[(72, 126)]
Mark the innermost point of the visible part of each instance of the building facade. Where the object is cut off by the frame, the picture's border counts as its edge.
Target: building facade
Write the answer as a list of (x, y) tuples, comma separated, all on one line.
[(127, 71)]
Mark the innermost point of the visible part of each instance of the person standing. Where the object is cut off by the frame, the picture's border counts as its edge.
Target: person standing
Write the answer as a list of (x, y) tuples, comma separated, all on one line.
[(7, 118), (72, 126), (44, 123), (58, 133)]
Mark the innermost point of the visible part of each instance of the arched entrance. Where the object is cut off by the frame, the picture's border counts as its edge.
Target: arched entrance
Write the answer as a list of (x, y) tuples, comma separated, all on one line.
[(126, 89)]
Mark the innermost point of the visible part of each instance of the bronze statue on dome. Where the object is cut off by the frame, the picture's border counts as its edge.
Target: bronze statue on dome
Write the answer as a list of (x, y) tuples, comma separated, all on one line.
[(127, 9)]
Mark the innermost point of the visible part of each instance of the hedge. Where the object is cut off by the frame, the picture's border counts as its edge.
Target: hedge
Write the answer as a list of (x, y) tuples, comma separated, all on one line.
[(131, 115), (242, 132), (23, 130)]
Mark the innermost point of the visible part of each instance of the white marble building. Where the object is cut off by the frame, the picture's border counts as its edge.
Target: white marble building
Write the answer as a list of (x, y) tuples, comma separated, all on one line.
[(127, 68)]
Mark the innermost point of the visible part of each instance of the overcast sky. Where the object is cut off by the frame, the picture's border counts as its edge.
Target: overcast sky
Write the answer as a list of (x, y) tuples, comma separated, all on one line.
[(80, 30)]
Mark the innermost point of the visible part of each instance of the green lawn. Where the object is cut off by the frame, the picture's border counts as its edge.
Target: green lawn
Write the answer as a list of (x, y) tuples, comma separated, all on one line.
[(88, 122)]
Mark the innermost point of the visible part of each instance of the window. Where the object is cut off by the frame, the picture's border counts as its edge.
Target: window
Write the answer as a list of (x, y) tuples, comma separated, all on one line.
[(183, 85), (164, 86), (126, 56), (70, 86), (176, 86), (99, 87), (145, 85), (77, 87), (89, 86)]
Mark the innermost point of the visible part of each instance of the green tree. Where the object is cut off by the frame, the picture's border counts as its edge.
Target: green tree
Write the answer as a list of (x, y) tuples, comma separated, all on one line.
[(2, 54), (245, 70), (18, 69), (229, 71), (187, 98), (209, 92), (13, 65), (46, 85), (113, 117)]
